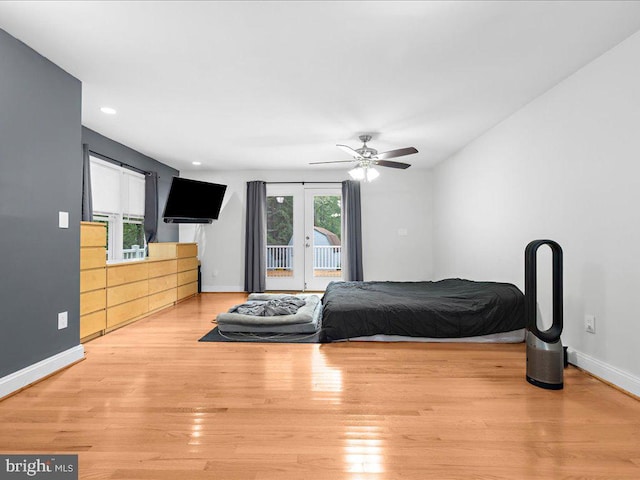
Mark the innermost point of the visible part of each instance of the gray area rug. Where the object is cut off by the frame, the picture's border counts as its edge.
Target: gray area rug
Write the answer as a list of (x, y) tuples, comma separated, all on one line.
[(216, 336)]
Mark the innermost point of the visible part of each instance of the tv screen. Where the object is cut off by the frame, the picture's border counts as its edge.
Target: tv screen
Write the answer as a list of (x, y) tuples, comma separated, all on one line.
[(192, 201)]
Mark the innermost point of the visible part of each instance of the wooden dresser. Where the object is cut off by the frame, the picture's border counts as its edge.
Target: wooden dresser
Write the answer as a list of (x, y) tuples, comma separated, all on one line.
[(117, 294), (186, 264), (93, 278)]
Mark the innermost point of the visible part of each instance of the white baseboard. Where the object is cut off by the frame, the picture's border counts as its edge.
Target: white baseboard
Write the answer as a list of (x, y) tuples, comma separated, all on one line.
[(31, 374), (221, 288), (617, 377)]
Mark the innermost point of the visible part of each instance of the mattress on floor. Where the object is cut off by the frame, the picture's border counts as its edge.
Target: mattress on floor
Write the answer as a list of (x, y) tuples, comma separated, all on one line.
[(513, 336), (450, 308), (307, 319)]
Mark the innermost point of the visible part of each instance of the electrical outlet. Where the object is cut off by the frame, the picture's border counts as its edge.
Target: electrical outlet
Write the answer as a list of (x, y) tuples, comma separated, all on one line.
[(590, 323), (62, 320)]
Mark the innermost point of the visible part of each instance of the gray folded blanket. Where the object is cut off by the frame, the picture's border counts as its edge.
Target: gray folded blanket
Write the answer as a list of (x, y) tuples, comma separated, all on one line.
[(270, 308)]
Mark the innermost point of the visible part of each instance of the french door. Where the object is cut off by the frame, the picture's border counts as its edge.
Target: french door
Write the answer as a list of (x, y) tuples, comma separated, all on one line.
[(304, 248)]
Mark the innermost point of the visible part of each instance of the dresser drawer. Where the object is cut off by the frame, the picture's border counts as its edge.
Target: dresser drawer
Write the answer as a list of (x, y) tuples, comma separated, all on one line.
[(187, 250), (187, 290), (92, 279), (119, 274), (92, 257), (93, 323), (189, 276), (162, 299), (127, 292), (162, 283), (127, 311), (165, 267), (92, 301), (93, 235), (187, 264)]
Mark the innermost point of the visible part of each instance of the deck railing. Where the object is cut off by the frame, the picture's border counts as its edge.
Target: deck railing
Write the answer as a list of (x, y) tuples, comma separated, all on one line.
[(325, 257), (131, 253), (279, 257)]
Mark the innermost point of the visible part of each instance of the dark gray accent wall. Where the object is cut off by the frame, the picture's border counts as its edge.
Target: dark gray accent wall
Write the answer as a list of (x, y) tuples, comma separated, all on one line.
[(40, 175), (110, 149)]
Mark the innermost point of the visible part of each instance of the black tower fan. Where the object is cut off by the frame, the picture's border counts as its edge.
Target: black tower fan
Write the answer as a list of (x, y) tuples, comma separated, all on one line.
[(545, 355)]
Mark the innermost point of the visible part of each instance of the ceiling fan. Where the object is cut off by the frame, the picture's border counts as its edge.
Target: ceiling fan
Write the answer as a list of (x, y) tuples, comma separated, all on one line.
[(367, 157)]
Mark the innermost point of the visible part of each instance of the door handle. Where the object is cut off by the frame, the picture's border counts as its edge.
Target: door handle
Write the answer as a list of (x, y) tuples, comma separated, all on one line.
[(307, 245)]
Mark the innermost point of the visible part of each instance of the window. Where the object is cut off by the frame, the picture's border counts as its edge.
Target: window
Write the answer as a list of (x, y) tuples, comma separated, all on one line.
[(118, 202), (133, 241)]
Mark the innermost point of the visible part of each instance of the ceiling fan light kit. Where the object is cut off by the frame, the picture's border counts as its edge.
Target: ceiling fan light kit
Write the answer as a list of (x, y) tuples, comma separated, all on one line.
[(368, 157), (364, 172)]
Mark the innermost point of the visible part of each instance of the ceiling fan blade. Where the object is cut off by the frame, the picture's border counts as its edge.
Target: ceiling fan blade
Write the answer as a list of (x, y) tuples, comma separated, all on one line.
[(387, 163), (396, 153), (349, 150), (336, 161)]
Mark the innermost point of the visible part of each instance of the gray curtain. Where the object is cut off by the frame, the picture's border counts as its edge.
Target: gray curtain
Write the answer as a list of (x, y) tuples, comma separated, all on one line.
[(255, 264), (352, 232), (151, 207), (87, 199)]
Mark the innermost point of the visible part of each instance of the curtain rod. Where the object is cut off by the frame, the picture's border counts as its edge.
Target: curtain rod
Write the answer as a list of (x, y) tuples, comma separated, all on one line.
[(118, 162), (268, 183)]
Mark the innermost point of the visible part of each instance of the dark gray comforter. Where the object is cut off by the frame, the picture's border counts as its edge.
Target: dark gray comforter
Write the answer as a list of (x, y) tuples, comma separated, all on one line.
[(451, 308)]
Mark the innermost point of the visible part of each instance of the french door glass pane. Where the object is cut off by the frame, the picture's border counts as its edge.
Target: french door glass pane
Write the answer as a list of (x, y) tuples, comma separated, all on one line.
[(280, 236), (327, 234)]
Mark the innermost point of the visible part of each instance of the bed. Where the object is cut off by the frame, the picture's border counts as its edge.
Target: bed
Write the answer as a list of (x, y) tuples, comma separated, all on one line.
[(308, 318), (452, 309)]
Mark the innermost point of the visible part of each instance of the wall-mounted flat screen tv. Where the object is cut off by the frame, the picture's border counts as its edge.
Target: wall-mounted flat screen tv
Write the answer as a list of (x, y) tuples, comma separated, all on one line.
[(192, 201)]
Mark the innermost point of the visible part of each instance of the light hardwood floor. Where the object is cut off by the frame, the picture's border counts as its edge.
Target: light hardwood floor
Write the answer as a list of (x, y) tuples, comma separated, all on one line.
[(151, 402)]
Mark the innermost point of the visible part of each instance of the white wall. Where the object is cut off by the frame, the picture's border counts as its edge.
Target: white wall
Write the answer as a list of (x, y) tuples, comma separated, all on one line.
[(565, 167), (396, 201), (396, 226)]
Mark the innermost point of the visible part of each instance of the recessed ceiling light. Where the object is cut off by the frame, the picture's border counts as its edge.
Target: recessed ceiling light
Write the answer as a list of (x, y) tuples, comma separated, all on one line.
[(108, 110), (196, 163)]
